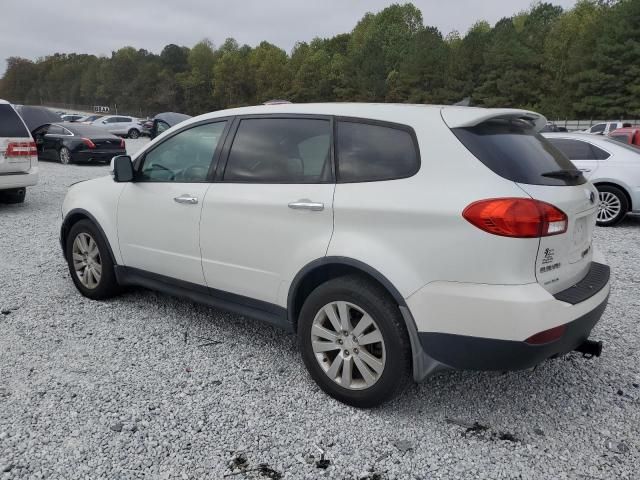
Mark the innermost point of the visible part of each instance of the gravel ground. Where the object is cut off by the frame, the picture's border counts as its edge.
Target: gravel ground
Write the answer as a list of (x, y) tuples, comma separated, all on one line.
[(147, 386)]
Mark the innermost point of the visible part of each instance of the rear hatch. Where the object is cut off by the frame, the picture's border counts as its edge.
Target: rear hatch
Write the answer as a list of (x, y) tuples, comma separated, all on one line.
[(15, 149), (108, 143), (507, 142)]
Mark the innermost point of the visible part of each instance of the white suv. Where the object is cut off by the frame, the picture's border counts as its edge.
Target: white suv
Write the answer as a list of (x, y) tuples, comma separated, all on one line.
[(18, 156), (118, 125), (394, 239)]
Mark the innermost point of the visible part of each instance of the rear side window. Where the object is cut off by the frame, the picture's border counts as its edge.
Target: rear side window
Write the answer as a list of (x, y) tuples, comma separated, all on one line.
[(370, 152), (10, 123), (513, 150), (280, 150), (599, 128), (578, 150), (620, 138)]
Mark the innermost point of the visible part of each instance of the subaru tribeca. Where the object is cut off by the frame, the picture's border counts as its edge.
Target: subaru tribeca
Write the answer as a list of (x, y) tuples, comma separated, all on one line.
[(395, 240)]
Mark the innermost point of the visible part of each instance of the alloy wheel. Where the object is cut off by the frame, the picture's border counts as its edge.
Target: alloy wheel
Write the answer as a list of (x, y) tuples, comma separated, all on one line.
[(65, 156), (348, 345), (609, 207), (86, 260)]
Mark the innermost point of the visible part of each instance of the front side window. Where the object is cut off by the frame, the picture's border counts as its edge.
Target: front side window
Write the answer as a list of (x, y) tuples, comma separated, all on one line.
[(161, 126), (185, 157), (280, 150), (369, 152)]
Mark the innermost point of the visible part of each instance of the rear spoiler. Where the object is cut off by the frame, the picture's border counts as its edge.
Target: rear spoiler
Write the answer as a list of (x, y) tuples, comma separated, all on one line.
[(459, 117)]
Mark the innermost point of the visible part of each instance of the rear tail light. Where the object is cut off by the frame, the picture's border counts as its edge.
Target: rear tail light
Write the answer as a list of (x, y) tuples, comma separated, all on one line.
[(88, 143), (516, 217), (21, 149), (122, 144), (546, 336)]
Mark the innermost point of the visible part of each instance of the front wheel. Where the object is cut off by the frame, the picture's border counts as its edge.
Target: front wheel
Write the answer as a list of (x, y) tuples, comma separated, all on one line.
[(90, 263), (65, 156), (353, 341), (613, 205), (133, 133)]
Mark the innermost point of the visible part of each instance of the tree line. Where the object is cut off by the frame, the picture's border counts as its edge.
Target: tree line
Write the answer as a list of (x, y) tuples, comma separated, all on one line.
[(578, 63)]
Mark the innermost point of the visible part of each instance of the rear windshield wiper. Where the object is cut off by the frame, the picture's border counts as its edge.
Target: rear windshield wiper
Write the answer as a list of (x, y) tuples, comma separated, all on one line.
[(568, 173)]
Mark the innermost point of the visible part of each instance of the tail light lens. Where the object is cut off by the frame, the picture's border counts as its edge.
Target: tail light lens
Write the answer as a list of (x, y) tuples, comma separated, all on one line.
[(516, 217), (88, 143), (122, 144), (21, 149), (546, 336)]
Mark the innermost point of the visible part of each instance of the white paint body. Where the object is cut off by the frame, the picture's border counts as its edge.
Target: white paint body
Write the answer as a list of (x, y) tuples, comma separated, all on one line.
[(17, 172), (622, 168), (243, 238)]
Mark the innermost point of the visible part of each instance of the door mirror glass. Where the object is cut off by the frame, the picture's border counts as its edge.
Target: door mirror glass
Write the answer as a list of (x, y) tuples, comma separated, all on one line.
[(122, 168)]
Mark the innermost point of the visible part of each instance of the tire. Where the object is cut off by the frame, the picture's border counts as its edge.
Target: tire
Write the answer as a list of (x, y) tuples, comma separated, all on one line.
[(357, 296), (133, 133), (92, 287), (613, 205), (15, 195), (64, 155)]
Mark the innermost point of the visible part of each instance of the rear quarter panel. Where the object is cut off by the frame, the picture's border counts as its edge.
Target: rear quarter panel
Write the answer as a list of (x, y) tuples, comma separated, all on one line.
[(412, 230)]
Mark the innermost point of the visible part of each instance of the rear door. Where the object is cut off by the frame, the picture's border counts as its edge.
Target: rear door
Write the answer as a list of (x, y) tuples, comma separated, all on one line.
[(513, 150), (15, 157), (272, 213)]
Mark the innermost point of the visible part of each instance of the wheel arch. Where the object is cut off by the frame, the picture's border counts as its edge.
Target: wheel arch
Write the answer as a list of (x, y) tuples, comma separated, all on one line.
[(607, 183), (323, 269), (73, 217)]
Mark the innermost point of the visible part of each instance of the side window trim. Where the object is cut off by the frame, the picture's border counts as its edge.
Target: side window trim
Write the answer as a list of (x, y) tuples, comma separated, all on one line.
[(224, 159), (380, 123), (139, 162)]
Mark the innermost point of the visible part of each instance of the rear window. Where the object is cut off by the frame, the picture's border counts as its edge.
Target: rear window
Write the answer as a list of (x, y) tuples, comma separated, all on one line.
[(372, 152), (10, 123), (513, 150)]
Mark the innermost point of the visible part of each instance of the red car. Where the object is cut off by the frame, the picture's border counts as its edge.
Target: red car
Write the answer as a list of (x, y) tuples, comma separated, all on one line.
[(628, 135)]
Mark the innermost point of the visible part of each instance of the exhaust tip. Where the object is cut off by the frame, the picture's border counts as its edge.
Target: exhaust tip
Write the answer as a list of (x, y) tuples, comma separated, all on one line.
[(590, 348)]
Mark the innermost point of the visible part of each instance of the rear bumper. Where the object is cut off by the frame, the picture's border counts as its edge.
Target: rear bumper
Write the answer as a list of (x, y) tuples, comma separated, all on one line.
[(484, 327), (475, 353), (96, 156), (19, 180)]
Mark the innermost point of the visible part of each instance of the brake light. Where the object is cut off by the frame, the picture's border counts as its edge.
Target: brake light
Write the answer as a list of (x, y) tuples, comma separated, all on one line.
[(122, 144), (516, 217), (546, 336), (88, 143), (21, 149)]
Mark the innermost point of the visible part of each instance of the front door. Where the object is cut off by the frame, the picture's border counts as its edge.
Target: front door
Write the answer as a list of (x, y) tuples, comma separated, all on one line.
[(159, 212), (272, 213)]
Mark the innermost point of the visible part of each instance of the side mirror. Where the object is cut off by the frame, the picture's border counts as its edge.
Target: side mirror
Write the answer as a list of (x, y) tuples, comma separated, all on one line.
[(122, 168)]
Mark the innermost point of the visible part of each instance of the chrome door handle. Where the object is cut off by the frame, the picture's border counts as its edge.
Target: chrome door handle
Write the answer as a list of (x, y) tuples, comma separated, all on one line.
[(186, 198), (307, 205), (584, 169)]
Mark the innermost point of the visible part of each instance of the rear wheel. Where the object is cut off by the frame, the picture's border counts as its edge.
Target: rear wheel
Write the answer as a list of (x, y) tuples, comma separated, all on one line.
[(90, 263), (353, 341), (133, 133), (64, 155), (15, 195), (613, 205)]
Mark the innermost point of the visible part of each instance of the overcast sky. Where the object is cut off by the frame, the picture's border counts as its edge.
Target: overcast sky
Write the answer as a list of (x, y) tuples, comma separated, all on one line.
[(35, 28)]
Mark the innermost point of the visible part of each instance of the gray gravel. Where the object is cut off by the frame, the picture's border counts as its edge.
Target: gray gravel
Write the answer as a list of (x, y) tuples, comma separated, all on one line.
[(147, 386)]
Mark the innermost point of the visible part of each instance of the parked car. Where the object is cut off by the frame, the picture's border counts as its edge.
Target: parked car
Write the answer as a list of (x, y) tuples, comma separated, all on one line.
[(118, 125), (73, 142), (18, 158), (630, 135), (345, 224), (89, 119), (72, 118), (606, 127), (552, 127), (164, 121), (613, 167)]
